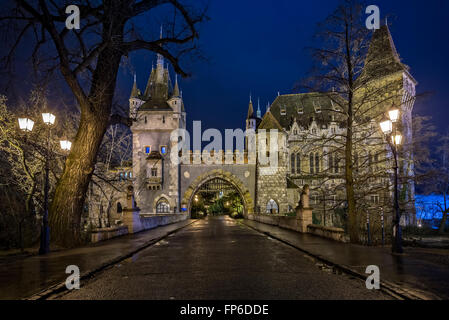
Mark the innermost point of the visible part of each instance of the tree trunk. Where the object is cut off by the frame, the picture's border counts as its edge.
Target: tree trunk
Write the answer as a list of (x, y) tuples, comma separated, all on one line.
[(350, 196), (67, 205)]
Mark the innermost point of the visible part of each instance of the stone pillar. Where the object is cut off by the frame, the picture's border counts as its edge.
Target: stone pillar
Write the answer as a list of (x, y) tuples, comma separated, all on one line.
[(304, 211), (131, 213)]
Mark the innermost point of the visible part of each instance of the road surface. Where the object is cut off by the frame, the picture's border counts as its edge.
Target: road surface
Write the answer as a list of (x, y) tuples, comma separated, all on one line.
[(219, 259)]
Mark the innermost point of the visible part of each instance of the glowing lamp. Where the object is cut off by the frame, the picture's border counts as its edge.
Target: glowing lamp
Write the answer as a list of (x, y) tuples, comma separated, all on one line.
[(397, 139), (26, 124), (386, 126), (48, 118), (394, 115), (65, 145)]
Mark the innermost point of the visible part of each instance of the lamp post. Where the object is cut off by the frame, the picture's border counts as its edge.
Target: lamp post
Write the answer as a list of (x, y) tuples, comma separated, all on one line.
[(26, 124), (49, 119), (394, 139)]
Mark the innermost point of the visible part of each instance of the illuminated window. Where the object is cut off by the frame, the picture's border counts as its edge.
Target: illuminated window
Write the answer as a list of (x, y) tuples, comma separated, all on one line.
[(272, 206), (147, 149), (162, 206), (163, 149)]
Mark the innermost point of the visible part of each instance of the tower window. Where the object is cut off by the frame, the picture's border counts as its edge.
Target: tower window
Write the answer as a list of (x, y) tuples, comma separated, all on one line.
[(163, 119), (154, 172), (147, 149), (283, 111), (163, 149)]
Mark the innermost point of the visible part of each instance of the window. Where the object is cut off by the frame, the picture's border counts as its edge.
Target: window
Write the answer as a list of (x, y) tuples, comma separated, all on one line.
[(272, 206), (298, 163), (283, 110), (375, 199), (163, 119), (311, 162), (317, 109), (163, 149), (154, 172), (130, 174), (300, 110), (162, 206), (119, 207), (292, 163), (147, 149), (317, 163), (331, 163)]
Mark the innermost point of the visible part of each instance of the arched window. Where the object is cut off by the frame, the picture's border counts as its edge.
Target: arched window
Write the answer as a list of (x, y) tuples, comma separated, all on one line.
[(119, 207), (298, 163), (272, 206), (311, 162), (292, 163), (162, 206), (317, 162)]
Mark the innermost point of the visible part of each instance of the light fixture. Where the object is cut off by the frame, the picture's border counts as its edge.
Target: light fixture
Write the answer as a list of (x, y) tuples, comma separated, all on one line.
[(48, 118), (386, 126), (397, 139), (394, 115), (26, 124), (65, 145)]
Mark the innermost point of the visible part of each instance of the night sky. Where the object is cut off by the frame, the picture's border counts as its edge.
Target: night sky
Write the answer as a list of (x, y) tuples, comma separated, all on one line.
[(258, 47)]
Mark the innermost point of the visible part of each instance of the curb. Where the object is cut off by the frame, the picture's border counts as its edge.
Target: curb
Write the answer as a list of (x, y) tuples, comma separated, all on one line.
[(385, 286), (61, 287)]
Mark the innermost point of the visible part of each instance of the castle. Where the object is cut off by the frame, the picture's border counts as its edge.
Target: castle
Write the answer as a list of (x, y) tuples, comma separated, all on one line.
[(309, 130)]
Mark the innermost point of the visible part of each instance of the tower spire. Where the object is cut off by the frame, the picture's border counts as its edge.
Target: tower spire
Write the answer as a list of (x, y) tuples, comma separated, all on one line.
[(176, 89), (259, 114), (134, 90)]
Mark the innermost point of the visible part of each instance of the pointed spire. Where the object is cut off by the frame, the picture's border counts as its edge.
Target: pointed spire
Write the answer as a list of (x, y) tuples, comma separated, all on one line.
[(160, 35), (160, 58), (134, 91), (250, 109), (382, 58), (259, 114), (176, 89)]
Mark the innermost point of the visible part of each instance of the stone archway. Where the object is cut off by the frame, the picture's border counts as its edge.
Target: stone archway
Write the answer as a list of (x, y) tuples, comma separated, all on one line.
[(248, 201)]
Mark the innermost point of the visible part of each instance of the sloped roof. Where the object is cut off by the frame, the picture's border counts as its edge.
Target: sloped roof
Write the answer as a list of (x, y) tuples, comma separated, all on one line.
[(269, 122), (156, 105), (304, 107), (250, 111), (291, 184), (382, 58)]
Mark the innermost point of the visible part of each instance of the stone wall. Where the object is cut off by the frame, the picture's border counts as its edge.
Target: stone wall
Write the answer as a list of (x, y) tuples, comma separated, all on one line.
[(136, 222), (102, 234), (337, 234)]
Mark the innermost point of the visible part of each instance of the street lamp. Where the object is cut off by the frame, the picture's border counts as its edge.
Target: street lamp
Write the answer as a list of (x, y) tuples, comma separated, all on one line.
[(394, 140), (65, 145), (26, 124), (49, 119)]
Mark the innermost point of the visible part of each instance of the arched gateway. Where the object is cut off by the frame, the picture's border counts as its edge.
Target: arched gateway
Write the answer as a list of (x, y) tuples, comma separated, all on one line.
[(236, 182)]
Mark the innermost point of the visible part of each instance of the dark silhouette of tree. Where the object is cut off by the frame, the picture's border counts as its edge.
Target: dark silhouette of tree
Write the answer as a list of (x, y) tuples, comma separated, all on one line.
[(89, 60)]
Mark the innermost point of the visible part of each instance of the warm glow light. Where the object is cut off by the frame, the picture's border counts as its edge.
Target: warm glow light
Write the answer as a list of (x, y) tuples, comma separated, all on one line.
[(394, 115), (386, 126), (26, 124), (48, 118), (396, 139), (65, 145)]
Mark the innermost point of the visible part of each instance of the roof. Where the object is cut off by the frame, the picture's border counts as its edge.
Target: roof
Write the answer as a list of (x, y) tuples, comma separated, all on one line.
[(382, 58), (250, 111), (303, 107), (156, 105), (269, 122)]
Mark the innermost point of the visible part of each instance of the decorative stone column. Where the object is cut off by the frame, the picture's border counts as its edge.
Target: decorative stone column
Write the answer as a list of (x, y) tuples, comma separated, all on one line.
[(131, 213), (304, 211)]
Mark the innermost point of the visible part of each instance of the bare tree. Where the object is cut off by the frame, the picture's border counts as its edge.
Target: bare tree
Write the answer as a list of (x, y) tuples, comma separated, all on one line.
[(89, 59), (360, 75)]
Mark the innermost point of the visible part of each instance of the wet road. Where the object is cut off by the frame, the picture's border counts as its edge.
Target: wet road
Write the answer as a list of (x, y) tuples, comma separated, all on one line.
[(219, 258)]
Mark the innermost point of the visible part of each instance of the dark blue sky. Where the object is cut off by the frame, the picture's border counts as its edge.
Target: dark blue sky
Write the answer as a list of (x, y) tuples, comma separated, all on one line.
[(258, 46)]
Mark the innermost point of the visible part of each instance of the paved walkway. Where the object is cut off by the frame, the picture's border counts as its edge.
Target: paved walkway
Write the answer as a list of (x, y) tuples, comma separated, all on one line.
[(22, 277), (420, 272)]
